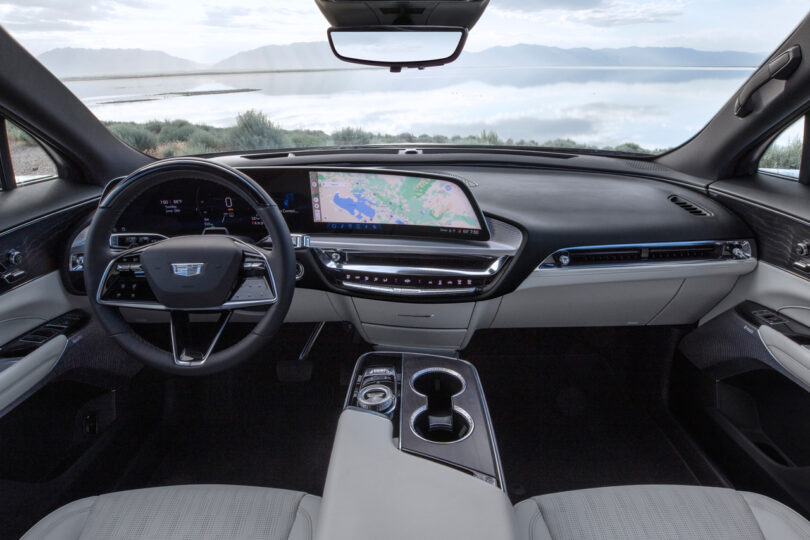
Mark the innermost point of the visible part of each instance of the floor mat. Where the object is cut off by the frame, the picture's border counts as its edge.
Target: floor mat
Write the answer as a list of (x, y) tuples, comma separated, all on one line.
[(245, 427), (565, 421)]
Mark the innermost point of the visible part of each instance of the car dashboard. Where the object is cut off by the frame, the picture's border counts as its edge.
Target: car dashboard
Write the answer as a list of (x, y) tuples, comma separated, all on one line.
[(424, 257)]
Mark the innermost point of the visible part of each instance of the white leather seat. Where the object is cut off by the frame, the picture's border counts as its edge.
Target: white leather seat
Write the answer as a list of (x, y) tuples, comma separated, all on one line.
[(658, 512), (200, 512)]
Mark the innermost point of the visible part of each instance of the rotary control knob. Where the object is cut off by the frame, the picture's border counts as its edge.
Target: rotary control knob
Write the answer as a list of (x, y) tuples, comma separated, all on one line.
[(376, 397), (14, 257), (802, 249)]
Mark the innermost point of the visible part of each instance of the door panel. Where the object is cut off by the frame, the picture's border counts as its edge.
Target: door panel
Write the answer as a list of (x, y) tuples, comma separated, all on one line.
[(32, 293), (741, 380), (24, 374), (34, 303)]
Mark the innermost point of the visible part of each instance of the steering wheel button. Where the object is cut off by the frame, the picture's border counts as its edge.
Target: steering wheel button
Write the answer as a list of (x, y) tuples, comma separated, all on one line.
[(188, 273)]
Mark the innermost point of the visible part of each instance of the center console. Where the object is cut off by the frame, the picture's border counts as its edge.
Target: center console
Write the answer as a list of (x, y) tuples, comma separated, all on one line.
[(414, 455), (437, 408)]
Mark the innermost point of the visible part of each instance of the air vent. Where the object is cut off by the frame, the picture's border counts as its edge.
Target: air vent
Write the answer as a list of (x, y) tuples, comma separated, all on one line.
[(708, 251), (506, 152), (603, 256), (689, 206), (645, 165), (321, 152), (634, 254)]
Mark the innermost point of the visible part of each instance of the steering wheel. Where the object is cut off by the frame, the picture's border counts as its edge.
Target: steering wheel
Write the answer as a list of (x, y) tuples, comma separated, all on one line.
[(184, 275)]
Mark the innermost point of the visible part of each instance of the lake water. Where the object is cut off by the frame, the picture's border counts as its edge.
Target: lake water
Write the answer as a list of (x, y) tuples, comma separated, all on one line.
[(655, 107)]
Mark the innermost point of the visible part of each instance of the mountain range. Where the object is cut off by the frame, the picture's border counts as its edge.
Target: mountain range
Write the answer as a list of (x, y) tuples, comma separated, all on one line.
[(78, 63)]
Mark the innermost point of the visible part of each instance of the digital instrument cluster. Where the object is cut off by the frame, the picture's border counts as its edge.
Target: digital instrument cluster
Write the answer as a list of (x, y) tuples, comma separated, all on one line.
[(190, 207), (337, 201)]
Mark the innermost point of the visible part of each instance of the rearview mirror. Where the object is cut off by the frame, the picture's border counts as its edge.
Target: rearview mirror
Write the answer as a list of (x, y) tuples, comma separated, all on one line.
[(398, 47)]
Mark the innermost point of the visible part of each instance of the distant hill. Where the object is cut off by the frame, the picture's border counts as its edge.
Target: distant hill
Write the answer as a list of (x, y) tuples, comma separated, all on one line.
[(313, 55), (539, 55), (71, 62)]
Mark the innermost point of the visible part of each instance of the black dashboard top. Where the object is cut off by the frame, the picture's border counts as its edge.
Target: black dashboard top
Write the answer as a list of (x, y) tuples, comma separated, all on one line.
[(554, 209), (558, 209)]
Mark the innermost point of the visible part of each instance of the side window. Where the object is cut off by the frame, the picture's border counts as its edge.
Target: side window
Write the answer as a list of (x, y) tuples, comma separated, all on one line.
[(28, 160), (784, 156)]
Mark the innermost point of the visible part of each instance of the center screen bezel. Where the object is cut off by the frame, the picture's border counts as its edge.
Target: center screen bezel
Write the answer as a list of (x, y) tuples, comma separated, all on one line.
[(290, 189)]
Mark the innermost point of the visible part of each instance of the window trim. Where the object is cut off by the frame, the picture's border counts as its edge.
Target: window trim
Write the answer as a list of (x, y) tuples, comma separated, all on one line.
[(804, 164), (5, 143), (764, 146), (7, 179)]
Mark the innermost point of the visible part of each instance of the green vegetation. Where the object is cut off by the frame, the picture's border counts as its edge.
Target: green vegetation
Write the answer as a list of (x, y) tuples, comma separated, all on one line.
[(254, 131), (783, 156), (138, 137), (15, 134)]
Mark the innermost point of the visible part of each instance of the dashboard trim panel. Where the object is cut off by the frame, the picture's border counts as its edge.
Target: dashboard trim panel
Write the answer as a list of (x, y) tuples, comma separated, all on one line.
[(551, 262), (401, 291), (423, 270)]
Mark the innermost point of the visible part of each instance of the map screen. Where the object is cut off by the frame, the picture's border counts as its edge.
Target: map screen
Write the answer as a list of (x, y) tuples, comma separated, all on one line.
[(363, 200)]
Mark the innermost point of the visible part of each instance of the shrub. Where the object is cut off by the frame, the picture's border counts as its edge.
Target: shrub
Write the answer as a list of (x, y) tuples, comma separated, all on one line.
[(788, 156), (351, 137), (632, 148), (308, 139), (15, 134), (175, 133), (203, 142), (137, 137), (154, 126), (254, 131)]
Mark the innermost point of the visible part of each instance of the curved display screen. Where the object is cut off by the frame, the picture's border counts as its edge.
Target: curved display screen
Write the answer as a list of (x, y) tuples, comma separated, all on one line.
[(191, 207), (365, 200), (312, 201)]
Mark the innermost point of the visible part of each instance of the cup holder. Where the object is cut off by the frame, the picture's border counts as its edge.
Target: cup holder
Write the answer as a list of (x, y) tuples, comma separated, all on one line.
[(442, 428), (440, 421), (438, 381)]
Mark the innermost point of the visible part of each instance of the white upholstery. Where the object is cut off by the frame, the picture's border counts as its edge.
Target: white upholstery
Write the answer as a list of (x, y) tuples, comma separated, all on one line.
[(184, 512), (658, 512)]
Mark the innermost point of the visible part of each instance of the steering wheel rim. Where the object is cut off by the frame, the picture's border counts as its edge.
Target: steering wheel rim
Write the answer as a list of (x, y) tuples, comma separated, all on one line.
[(99, 257)]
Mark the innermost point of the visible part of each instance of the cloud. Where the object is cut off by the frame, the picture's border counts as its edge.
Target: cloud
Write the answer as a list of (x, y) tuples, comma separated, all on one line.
[(602, 13), (624, 13), (61, 15), (226, 16), (526, 128), (540, 5)]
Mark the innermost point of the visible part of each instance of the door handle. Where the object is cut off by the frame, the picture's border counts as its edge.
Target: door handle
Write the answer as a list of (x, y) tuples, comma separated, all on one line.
[(792, 356), (781, 67)]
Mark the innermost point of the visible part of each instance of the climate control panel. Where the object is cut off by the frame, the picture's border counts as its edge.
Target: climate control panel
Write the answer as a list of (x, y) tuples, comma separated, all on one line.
[(407, 274)]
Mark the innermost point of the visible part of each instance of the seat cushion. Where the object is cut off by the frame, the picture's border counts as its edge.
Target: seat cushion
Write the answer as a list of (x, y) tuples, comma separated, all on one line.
[(658, 513), (184, 512)]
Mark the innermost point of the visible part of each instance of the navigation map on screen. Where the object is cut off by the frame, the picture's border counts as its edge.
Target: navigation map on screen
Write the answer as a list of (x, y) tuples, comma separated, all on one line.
[(388, 199)]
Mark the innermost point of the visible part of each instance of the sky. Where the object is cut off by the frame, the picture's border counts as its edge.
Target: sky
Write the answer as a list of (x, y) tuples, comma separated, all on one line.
[(209, 31)]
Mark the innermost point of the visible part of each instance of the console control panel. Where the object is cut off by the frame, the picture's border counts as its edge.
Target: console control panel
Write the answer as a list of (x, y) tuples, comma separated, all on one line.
[(375, 388), (408, 275), (436, 407)]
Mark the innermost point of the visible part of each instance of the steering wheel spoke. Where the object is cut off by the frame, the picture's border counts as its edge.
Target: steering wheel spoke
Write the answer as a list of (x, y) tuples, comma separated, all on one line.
[(185, 276), (185, 351), (124, 283), (257, 284)]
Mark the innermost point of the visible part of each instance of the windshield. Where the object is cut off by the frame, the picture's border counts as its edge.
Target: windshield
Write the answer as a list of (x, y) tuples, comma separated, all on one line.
[(184, 77)]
